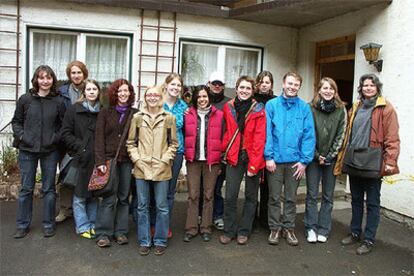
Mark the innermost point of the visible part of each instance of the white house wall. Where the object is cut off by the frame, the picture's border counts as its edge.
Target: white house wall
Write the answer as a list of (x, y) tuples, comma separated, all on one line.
[(392, 26)]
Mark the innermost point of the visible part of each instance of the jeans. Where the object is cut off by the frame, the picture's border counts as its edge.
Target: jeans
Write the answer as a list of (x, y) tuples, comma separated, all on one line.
[(84, 213), (320, 223), (112, 217), (162, 212), (283, 176), (28, 162), (234, 177), (372, 188)]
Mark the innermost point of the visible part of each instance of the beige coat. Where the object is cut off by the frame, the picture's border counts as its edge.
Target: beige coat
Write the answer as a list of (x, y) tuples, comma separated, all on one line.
[(151, 153)]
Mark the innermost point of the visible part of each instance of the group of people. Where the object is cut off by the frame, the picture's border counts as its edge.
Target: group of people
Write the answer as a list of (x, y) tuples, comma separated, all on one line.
[(270, 142)]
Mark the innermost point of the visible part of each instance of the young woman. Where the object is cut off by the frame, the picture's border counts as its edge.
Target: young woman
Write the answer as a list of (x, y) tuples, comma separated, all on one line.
[(329, 115), (262, 94), (372, 123), (243, 144), (36, 124), (152, 144), (78, 134), (172, 87), (203, 130), (112, 216)]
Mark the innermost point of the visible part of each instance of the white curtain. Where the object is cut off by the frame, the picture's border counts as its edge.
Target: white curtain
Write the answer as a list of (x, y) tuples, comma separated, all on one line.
[(240, 62), (55, 50), (197, 63), (106, 58)]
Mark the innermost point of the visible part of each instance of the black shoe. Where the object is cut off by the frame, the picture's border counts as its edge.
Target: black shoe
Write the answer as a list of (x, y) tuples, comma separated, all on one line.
[(206, 237), (48, 232), (365, 248), (350, 239), (21, 233), (188, 237)]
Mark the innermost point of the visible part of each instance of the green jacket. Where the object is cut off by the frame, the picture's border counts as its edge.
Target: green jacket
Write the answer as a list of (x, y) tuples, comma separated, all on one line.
[(330, 131)]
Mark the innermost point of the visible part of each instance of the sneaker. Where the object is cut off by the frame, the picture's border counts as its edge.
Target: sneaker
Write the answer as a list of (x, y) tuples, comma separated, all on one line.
[(169, 233), (274, 237), (159, 250), (351, 239), (311, 236), (365, 247), (93, 233), (49, 232), (61, 217), (86, 235), (21, 233), (289, 235), (322, 238), (104, 242), (219, 224), (188, 237), (121, 240), (144, 250), (206, 237)]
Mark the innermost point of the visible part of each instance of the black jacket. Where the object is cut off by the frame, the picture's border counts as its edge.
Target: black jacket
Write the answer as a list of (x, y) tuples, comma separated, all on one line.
[(37, 121), (78, 135)]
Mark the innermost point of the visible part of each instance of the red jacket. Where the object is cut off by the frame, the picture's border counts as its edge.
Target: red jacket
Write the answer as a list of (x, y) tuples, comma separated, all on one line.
[(213, 139), (254, 136)]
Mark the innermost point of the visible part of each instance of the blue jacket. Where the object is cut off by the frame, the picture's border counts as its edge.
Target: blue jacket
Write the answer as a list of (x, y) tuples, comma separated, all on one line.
[(290, 131), (64, 92), (178, 111)]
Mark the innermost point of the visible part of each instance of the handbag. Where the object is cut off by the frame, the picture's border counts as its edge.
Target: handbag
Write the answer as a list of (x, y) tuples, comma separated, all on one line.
[(363, 162), (70, 173), (103, 184)]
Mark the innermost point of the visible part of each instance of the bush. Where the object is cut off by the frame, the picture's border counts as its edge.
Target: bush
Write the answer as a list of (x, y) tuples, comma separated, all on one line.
[(8, 159)]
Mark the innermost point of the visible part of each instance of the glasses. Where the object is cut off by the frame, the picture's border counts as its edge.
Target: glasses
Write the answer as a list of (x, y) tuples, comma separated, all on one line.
[(152, 95), (217, 83)]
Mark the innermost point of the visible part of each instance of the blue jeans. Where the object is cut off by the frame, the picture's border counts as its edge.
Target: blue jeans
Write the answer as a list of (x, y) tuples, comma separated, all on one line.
[(372, 188), (162, 212), (84, 213), (28, 162), (320, 223)]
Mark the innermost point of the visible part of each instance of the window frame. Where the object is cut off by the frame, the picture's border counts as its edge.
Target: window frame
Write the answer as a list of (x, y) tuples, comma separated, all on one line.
[(80, 45), (221, 53)]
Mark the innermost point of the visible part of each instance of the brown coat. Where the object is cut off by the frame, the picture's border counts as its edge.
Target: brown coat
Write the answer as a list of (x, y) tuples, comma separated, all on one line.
[(150, 152), (384, 134), (107, 135)]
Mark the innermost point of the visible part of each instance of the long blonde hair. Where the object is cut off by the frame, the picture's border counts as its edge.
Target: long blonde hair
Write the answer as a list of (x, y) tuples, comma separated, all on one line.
[(169, 79)]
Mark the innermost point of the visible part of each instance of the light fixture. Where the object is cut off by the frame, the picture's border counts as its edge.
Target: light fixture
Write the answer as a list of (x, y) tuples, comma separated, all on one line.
[(371, 51)]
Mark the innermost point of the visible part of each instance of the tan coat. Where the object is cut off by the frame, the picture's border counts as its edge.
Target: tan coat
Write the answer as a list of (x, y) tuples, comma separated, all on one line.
[(384, 134), (151, 153)]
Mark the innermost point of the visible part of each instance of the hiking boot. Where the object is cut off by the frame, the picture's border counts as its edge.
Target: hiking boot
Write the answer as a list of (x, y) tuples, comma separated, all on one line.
[(289, 235), (144, 250), (21, 233), (219, 224), (351, 239), (365, 247), (121, 240), (49, 232), (311, 236), (104, 242), (159, 250), (242, 240), (274, 236)]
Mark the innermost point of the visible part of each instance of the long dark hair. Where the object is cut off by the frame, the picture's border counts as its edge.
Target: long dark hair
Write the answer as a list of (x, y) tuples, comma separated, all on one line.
[(197, 91), (49, 71), (259, 80)]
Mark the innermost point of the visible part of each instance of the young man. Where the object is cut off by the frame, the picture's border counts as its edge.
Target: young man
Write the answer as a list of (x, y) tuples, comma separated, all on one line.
[(76, 72), (217, 85), (290, 145)]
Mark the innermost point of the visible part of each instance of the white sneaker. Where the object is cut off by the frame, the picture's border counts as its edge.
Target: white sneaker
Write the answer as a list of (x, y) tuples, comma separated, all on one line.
[(311, 237), (322, 238), (219, 224)]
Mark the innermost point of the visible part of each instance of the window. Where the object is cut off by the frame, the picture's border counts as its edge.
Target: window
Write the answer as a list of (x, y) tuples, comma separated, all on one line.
[(106, 56), (199, 59)]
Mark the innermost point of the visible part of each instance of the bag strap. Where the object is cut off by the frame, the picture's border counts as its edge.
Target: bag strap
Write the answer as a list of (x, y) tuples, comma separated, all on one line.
[(233, 138), (124, 133)]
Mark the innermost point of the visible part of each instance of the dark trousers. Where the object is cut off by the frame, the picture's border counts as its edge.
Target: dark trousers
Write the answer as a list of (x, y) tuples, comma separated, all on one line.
[(234, 177), (264, 199), (372, 188), (112, 217)]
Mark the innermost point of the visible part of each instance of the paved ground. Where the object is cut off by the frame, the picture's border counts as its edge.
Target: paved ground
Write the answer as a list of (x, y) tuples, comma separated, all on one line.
[(67, 254)]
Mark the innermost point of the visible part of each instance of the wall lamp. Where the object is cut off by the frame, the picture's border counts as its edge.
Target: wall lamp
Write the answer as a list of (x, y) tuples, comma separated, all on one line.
[(371, 51)]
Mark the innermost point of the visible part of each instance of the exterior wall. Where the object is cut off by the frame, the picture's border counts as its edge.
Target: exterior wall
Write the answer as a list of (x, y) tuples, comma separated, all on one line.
[(392, 27)]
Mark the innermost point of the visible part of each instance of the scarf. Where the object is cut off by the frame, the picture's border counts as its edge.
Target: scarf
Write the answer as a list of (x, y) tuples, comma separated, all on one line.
[(326, 106), (262, 98), (216, 98), (121, 110), (91, 108), (241, 108)]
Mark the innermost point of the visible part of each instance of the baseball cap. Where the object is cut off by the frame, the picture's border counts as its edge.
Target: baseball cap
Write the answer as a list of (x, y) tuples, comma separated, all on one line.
[(216, 76)]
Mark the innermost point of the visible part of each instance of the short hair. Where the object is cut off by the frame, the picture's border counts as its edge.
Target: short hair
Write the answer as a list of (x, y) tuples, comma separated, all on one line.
[(337, 99), (49, 71), (158, 90), (260, 77), (81, 66), (374, 80), (293, 74), (85, 82), (245, 78), (113, 92), (170, 78), (196, 93)]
